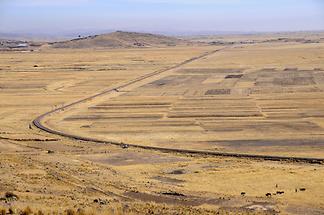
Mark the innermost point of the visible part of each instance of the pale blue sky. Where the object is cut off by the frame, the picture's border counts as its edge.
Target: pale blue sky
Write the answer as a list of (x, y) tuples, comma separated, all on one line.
[(49, 16)]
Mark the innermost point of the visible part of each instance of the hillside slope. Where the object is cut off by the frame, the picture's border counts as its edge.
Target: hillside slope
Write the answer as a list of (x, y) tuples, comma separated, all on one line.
[(121, 39)]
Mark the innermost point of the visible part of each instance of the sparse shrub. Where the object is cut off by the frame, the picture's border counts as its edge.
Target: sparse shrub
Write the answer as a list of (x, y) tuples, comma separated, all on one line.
[(40, 212), (11, 196), (70, 212), (80, 211), (26, 211), (2, 211), (11, 211)]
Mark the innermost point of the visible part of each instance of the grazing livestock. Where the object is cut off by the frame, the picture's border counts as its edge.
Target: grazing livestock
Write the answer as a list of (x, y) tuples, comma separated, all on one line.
[(124, 146)]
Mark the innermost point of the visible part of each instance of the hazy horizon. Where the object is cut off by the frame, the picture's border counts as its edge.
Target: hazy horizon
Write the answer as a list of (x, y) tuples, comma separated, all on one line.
[(58, 18)]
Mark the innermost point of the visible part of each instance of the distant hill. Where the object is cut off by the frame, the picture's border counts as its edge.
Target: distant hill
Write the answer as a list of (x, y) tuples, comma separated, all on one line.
[(120, 39)]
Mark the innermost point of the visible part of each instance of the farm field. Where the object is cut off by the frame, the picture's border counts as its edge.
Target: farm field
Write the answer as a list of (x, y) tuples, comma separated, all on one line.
[(251, 99), (241, 99)]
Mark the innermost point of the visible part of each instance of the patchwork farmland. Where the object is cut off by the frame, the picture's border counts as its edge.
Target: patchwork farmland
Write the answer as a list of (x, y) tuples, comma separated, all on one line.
[(194, 127)]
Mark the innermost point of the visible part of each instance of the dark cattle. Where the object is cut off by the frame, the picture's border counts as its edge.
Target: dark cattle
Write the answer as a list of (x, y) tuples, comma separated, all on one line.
[(243, 194), (124, 146)]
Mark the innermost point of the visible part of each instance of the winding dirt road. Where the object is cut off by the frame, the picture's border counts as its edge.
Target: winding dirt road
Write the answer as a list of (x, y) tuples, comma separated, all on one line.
[(38, 122)]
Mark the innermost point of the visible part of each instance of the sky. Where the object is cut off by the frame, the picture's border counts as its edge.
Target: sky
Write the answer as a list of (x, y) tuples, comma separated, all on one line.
[(168, 16)]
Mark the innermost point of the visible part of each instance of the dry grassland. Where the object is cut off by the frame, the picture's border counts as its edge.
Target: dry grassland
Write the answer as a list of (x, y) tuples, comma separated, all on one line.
[(264, 99)]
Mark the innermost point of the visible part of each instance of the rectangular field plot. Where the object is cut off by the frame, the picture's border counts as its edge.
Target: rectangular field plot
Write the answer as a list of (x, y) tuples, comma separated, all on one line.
[(203, 102)]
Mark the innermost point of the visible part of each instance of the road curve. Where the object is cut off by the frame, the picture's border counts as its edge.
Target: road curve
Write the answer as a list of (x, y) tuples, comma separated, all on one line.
[(38, 123)]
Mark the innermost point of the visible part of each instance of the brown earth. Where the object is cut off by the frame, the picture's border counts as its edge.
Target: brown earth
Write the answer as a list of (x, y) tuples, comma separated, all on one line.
[(272, 106)]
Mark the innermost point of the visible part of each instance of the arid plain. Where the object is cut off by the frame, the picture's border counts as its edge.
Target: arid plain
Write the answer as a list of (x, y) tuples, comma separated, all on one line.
[(197, 104)]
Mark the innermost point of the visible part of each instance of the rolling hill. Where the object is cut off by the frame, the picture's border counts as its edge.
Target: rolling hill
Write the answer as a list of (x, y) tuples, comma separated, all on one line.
[(120, 39)]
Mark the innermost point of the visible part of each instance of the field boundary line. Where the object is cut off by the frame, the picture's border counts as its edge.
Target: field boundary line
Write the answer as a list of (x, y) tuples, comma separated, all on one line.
[(38, 123)]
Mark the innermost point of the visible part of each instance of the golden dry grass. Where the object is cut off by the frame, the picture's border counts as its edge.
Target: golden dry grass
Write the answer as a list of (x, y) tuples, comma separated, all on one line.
[(243, 100), (184, 108)]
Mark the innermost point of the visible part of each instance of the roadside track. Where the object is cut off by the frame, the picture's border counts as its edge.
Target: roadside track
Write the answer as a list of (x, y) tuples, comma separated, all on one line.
[(38, 123)]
